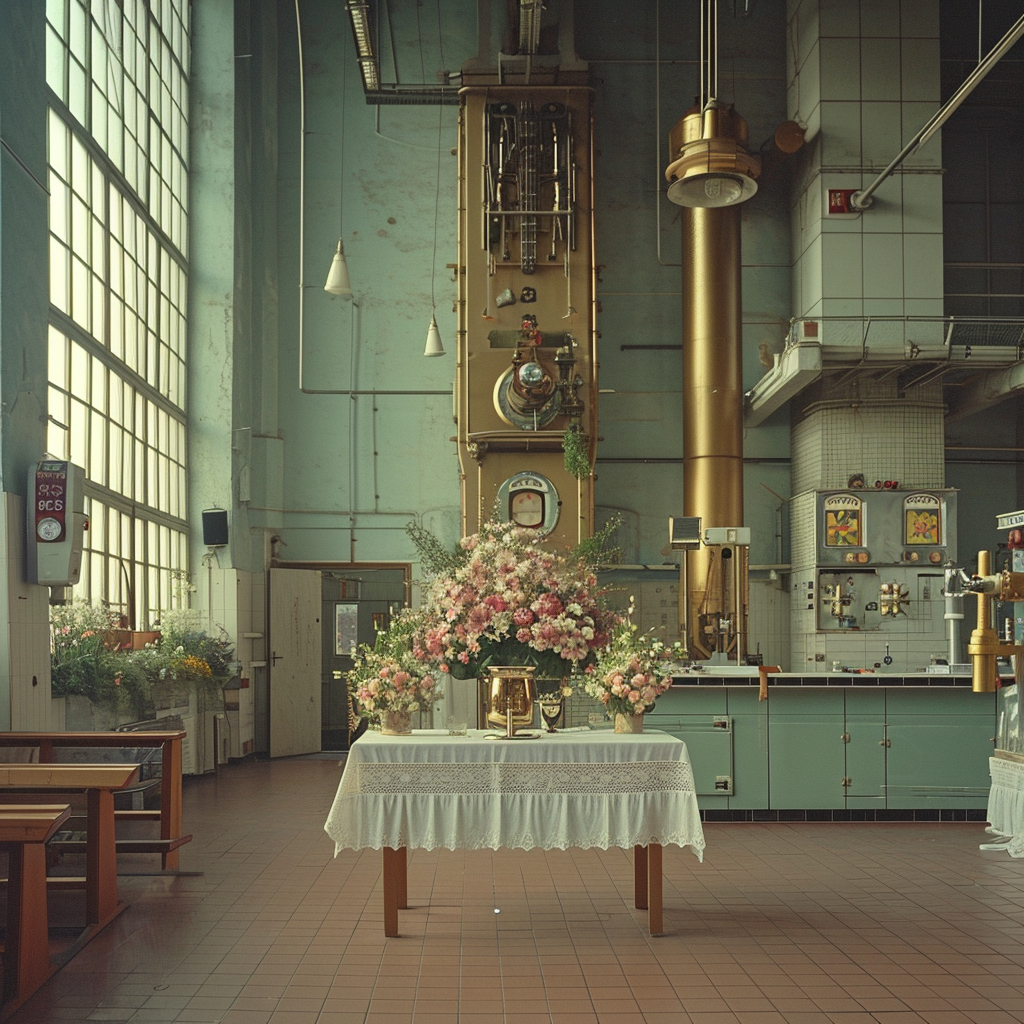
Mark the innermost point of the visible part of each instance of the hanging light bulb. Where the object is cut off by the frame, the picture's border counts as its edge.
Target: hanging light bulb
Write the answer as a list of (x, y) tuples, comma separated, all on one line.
[(337, 276), (434, 346)]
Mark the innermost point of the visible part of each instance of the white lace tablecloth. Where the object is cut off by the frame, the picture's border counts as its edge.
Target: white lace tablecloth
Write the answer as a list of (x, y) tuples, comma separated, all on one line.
[(1006, 806), (585, 789)]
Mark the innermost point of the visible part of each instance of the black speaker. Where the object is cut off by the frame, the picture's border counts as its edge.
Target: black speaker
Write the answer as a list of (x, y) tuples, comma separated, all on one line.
[(215, 527)]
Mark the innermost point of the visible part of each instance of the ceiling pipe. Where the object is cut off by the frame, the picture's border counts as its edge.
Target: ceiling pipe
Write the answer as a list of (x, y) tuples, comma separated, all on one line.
[(862, 200)]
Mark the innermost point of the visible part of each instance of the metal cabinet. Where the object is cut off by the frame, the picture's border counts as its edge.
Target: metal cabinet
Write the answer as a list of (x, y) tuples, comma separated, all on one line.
[(938, 746), (725, 731), (806, 752), (701, 721), (865, 742), (834, 748)]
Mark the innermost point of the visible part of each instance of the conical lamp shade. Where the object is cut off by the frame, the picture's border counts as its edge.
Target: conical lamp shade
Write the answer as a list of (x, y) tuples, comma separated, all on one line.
[(434, 346), (337, 277)]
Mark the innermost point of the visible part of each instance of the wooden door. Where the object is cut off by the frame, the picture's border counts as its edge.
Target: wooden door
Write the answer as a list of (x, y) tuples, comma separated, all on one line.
[(294, 662)]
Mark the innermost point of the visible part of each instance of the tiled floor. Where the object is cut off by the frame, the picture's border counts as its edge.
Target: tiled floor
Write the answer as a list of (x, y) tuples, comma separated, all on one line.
[(781, 924)]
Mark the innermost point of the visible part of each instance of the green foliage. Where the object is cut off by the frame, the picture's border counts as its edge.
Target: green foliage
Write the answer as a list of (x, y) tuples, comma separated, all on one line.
[(577, 454), (435, 558), (594, 552), (85, 660)]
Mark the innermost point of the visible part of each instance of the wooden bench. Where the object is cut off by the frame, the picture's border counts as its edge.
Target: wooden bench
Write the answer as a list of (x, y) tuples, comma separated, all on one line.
[(24, 830), (98, 782), (169, 815)]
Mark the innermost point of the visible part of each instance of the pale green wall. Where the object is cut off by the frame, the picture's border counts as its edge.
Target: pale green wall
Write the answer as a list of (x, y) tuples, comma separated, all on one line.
[(24, 266), (372, 461)]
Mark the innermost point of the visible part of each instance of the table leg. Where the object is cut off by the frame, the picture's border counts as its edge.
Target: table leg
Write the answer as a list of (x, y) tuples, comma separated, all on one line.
[(100, 858), (170, 799), (654, 888), (395, 887), (640, 877), (27, 942)]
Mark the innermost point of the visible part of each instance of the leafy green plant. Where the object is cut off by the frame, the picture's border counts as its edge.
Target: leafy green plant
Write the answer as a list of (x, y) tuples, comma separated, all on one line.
[(85, 660), (435, 558), (577, 455)]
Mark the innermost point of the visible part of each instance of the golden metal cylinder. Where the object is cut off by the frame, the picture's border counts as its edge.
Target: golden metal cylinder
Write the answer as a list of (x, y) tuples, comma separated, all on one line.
[(712, 401), (512, 692), (984, 644)]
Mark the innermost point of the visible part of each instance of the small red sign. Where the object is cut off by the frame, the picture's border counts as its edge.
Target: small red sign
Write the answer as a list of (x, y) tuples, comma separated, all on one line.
[(839, 200)]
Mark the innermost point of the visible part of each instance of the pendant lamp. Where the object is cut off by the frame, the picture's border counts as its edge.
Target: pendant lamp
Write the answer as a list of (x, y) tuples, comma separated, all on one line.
[(434, 346), (337, 276)]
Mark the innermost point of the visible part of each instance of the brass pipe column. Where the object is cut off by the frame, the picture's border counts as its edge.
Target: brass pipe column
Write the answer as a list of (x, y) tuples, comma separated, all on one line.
[(984, 645), (712, 401)]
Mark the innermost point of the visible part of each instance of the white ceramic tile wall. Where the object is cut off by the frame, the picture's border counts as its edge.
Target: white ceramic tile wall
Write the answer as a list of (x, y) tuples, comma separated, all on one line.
[(884, 438), (863, 76), (770, 620), (24, 630)]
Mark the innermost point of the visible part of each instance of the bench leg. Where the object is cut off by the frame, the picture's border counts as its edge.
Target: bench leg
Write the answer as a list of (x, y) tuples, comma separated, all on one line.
[(27, 943), (100, 858), (170, 800)]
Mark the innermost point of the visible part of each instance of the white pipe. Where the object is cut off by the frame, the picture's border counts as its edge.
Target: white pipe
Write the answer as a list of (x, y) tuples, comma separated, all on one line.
[(302, 184)]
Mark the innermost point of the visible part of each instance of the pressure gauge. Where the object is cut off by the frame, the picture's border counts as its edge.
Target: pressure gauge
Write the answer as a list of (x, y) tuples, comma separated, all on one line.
[(527, 508), (529, 500), (49, 529)]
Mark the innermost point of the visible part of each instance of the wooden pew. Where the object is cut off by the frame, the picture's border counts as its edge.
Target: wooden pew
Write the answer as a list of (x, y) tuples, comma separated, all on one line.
[(169, 815), (24, 830), (98, 782)]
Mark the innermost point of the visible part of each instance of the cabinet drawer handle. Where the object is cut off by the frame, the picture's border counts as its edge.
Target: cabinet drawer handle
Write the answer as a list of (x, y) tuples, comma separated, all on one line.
[(885, 743)]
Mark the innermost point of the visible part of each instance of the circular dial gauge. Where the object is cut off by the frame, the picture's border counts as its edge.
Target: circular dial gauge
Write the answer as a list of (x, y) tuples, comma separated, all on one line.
[(48, 529), (527, 508)]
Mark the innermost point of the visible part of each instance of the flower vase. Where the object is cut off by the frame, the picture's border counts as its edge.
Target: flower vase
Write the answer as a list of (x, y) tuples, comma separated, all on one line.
[(629, 723), (396, 723)]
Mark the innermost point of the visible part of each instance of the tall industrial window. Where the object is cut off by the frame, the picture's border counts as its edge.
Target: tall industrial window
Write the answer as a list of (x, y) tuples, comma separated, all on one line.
[(118, 173)]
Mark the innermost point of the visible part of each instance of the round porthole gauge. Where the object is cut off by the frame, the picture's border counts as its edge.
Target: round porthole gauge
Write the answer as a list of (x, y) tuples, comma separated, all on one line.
[(48, 529), (529, 500)]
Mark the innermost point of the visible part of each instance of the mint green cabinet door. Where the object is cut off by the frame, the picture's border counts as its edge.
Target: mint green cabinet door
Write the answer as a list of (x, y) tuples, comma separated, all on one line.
[(865, 761), (806, 752), (749, 749), (709, 743), (938, 761)]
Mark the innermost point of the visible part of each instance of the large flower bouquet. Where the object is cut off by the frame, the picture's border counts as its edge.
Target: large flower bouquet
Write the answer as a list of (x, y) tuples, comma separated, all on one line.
[(631, 672), (505, 600), (388, 676)]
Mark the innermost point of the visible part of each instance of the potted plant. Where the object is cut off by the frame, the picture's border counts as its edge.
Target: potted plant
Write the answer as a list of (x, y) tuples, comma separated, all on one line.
[(388, 681), (630, 673)]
